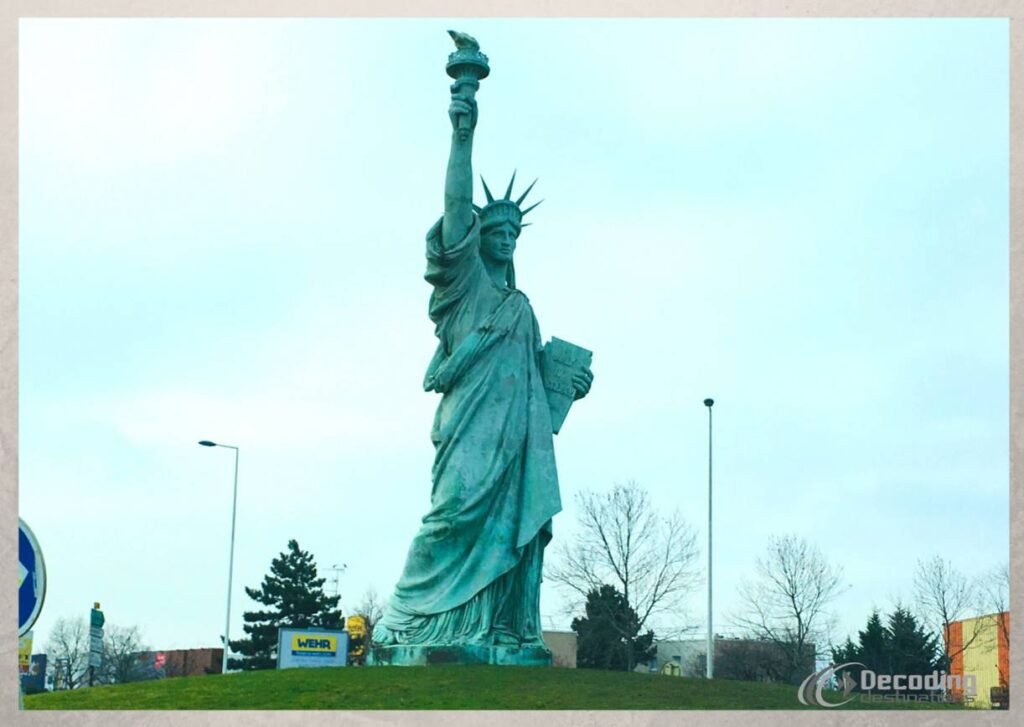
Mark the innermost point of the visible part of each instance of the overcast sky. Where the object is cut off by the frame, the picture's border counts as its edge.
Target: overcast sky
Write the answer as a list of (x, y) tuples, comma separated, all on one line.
[(221, 237)]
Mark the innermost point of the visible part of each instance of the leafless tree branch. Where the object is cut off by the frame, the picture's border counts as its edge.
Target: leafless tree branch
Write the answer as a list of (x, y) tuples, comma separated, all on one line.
[(371, 608), (121, 648), (787, 601), (69, 644), (944, 595), (625, 542)]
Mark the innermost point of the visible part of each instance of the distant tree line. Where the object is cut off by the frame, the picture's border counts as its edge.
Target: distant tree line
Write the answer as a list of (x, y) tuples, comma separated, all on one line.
[(67, 650), (899, 646), (630, 563)]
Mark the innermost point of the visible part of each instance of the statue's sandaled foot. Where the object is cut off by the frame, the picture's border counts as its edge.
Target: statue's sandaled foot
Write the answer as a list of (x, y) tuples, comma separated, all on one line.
[(383, 636)]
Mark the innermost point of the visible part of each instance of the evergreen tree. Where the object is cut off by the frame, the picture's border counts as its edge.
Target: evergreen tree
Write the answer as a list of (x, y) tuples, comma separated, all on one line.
[(901, 647), (912, 650), (873, 644), (608, 636), (872, 650), (845, 652), (295, 598)]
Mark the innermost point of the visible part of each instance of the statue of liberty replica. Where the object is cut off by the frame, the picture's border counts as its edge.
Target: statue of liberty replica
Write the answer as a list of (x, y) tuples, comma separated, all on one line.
[(470, 589)]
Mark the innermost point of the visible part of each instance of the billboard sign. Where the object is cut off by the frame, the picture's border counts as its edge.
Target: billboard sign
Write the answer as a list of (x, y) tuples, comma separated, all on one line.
[(311, 648), (356, 625), (24, 653), (35, 679)]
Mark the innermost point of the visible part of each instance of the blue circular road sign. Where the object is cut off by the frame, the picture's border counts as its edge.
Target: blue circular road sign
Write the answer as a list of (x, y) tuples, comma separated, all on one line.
[(31, 578)]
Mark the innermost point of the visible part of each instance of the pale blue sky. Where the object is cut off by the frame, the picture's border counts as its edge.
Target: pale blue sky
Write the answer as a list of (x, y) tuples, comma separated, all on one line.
[(221, 233)]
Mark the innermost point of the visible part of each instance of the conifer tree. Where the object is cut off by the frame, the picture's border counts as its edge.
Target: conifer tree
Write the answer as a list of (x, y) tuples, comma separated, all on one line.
[(609, 636), (295, 598), (912, 650), (873, 645), (900, 647)]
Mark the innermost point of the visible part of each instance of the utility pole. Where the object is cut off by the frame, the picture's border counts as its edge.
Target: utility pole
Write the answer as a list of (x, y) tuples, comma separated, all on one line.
[(231, 555), (710, 672)]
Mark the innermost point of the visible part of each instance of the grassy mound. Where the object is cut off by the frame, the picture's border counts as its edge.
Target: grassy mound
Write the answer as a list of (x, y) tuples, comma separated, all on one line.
[(434, 687)]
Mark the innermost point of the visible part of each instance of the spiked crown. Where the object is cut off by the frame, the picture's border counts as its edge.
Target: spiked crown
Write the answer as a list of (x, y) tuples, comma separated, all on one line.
[(497, 211)]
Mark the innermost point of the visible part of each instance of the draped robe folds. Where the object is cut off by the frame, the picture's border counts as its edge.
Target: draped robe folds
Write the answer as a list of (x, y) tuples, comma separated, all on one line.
[(472, 574)]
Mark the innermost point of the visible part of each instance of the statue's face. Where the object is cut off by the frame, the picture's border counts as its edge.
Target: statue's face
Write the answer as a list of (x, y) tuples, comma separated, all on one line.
[(498, 243)]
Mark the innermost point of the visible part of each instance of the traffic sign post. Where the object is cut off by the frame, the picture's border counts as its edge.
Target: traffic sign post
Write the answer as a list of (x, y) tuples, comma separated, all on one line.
[(96, 621)]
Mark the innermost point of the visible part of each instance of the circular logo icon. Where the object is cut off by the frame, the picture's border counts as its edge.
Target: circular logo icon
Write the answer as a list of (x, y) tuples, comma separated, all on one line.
[(811, 691)]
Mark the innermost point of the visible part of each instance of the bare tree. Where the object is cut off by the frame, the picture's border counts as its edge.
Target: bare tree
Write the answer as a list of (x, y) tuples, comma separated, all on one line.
[(945, 595), (995, 599), (625, 542), (371, 608), (122, 646), (995, 587), (69, 645), (787, 603), (747, 660)]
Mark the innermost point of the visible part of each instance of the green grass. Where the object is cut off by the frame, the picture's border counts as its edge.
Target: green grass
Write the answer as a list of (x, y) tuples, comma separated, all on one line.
[(434, 687)]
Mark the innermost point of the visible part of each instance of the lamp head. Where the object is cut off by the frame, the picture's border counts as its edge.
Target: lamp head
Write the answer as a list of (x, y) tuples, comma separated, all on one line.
[(707, 402), (208, 443)]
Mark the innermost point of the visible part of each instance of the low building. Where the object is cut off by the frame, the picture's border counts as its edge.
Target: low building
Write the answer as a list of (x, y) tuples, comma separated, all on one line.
[(677, 658), (979, 651), (193, 662), (177, 663), (735, 658), (563, 648)]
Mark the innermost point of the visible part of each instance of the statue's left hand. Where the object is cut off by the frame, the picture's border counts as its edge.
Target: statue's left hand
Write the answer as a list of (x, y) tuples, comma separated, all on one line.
[(581, 381)]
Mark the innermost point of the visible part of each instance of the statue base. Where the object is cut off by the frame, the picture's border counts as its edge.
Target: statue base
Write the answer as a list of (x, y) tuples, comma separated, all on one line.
[(400, 655)]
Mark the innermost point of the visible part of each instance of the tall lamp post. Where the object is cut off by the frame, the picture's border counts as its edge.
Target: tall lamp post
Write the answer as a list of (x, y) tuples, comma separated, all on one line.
[(710, 661), (231, 555)]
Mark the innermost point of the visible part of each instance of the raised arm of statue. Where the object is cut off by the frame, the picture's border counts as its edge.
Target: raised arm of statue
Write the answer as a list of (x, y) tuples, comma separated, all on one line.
[(458, 183)]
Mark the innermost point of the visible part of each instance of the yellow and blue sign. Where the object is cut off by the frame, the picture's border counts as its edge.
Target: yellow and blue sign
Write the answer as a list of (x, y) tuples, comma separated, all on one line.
[(311, 647), (318, 645)]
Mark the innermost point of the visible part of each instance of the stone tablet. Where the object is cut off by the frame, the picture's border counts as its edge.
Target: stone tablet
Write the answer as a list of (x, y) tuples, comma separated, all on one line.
[(559, 361)]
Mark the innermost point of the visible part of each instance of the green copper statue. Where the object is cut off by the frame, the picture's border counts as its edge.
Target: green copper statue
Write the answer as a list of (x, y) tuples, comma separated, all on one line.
[(470, 590)]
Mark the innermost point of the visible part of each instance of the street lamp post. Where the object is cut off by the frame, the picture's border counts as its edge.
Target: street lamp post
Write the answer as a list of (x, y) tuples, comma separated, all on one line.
[(710, 661), (231, 552)]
